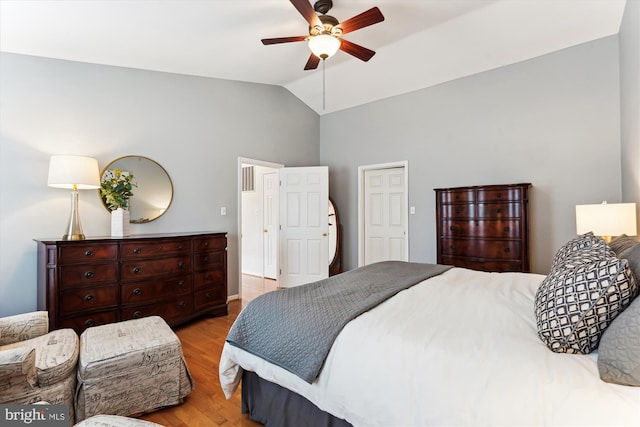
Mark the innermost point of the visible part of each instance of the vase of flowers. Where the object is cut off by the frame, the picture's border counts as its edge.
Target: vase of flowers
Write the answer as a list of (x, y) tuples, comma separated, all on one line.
[(116, 188)]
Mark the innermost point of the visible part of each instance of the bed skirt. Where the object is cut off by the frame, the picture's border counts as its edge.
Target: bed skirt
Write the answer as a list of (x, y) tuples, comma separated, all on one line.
[(276, 406)]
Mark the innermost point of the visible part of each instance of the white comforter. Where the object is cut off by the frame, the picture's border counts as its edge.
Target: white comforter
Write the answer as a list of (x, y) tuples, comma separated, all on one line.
[(457, 349)]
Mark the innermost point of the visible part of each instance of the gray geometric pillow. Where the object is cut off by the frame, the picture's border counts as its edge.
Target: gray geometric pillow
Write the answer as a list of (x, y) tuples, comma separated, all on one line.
[(574, 305), (622, 243), (619, 351), (632, 255)]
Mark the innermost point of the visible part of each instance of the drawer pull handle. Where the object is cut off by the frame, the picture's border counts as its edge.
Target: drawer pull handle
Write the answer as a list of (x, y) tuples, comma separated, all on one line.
[(89, 323), (181, 264), (206, 260), (88, 253), (181, 304), (88, 298), (206, 243), (507, 250), (498, 195), (452, 228), (137, 270), (458, 210), (499, 210), (181, 247), (208, 295), (137, 291), (207, 277), (89, 274), (452, 247), (137, 314), (137, 251), (506, 229), (181, 284)]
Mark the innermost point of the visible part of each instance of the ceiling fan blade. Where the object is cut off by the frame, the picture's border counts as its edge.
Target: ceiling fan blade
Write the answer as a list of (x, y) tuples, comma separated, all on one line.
[(358, 51), (312, 62), (307, 12), (284, 40), (369, 17)]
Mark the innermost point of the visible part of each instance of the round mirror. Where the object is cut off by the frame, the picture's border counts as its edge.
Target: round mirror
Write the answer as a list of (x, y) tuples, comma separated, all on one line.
[(153, 192)]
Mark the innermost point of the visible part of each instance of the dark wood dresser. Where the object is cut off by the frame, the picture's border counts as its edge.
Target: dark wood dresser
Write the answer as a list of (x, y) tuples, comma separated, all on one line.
[(483, 227), (84, 283)]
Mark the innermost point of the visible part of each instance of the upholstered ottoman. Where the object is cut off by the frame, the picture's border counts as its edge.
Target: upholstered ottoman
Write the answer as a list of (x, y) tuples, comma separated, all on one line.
[(130, 367)]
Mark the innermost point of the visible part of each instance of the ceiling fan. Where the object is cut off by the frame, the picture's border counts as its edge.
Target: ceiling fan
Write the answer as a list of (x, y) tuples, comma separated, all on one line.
[(325, 32)]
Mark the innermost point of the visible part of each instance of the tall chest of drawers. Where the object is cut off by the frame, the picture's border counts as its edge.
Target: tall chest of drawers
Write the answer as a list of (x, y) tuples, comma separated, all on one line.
[(95, 281), (483, 227)]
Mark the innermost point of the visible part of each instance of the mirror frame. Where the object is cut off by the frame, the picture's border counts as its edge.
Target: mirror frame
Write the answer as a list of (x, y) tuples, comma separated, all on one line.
[(109, 166)]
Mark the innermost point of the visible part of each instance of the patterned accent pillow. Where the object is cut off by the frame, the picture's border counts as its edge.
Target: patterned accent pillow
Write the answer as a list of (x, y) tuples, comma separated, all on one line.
[(573, 245), (576, 303)]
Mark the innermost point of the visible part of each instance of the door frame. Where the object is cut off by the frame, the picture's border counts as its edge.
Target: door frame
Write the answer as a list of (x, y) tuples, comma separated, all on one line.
[(252, 162), (404, 164)]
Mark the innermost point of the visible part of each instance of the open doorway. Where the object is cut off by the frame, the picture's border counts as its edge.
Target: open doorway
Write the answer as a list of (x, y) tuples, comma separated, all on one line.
[(258, 215)]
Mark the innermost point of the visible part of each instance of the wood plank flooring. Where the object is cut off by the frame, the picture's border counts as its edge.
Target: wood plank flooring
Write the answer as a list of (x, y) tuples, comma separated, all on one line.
[(205, 406)]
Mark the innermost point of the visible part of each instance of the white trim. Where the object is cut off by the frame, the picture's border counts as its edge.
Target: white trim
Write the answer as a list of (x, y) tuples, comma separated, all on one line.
[(254, 162), (361, 170)]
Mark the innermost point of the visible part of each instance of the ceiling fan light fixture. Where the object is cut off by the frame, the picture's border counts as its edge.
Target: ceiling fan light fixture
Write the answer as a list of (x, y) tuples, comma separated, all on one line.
[(324, 45)]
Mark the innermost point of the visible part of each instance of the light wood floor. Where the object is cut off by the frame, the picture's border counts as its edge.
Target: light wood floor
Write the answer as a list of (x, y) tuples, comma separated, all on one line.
[(202, 342)]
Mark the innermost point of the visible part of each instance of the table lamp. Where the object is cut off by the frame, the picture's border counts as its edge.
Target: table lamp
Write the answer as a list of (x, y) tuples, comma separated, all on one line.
[(77, 173), (607, 219)]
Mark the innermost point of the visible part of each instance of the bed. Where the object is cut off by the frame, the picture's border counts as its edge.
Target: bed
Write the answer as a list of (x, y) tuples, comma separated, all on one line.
[(462, 347)]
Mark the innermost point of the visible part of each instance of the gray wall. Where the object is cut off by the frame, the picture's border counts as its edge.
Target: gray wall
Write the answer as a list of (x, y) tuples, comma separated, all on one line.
[(196, 128), (630, 102), (553, 121)]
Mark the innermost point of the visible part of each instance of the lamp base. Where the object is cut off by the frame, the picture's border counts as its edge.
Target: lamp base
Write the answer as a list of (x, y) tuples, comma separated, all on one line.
[(74, 229), (73, 237)]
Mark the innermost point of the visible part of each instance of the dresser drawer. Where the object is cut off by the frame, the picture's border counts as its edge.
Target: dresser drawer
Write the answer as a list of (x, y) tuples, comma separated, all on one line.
[(137, 292), (208, 278), (458, 211), (143, 269), (208, 260), (88, 274), (482, 228), (208, 297), (498, 249), (75, 254), (205, 243), (499, 210), (154, 248), (497, 194), (91, 298), (484, 265), (452, 196), (84, 321), (169, 310)]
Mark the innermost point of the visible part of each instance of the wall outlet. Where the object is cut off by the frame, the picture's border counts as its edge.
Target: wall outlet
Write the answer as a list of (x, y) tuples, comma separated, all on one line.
[(223, 210), (412, 210)]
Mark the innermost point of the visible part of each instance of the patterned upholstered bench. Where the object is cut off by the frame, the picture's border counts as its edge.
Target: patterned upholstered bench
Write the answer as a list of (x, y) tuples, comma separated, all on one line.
[(115, 421), (130, 367)]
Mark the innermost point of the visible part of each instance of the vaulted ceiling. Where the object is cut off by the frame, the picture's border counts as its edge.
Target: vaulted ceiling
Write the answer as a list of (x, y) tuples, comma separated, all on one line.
[(419, 44)]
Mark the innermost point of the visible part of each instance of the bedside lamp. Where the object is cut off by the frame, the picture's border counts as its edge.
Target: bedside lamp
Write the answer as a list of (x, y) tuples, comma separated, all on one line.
[(77, 173), (607, 219)]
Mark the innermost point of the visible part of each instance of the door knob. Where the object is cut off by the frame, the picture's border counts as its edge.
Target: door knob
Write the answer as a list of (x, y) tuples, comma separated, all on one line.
[(324, 234), (266, 231)]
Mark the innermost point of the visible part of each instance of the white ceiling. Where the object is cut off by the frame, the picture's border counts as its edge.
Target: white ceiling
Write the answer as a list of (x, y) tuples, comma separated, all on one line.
[(421, 42)]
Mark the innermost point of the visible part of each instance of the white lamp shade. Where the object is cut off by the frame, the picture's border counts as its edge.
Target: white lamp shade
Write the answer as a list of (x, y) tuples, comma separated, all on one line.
[(607, 219), (69, 171), (323, 45)]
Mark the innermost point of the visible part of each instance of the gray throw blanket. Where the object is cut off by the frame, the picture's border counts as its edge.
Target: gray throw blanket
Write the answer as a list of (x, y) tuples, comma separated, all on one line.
[(295, 328)]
